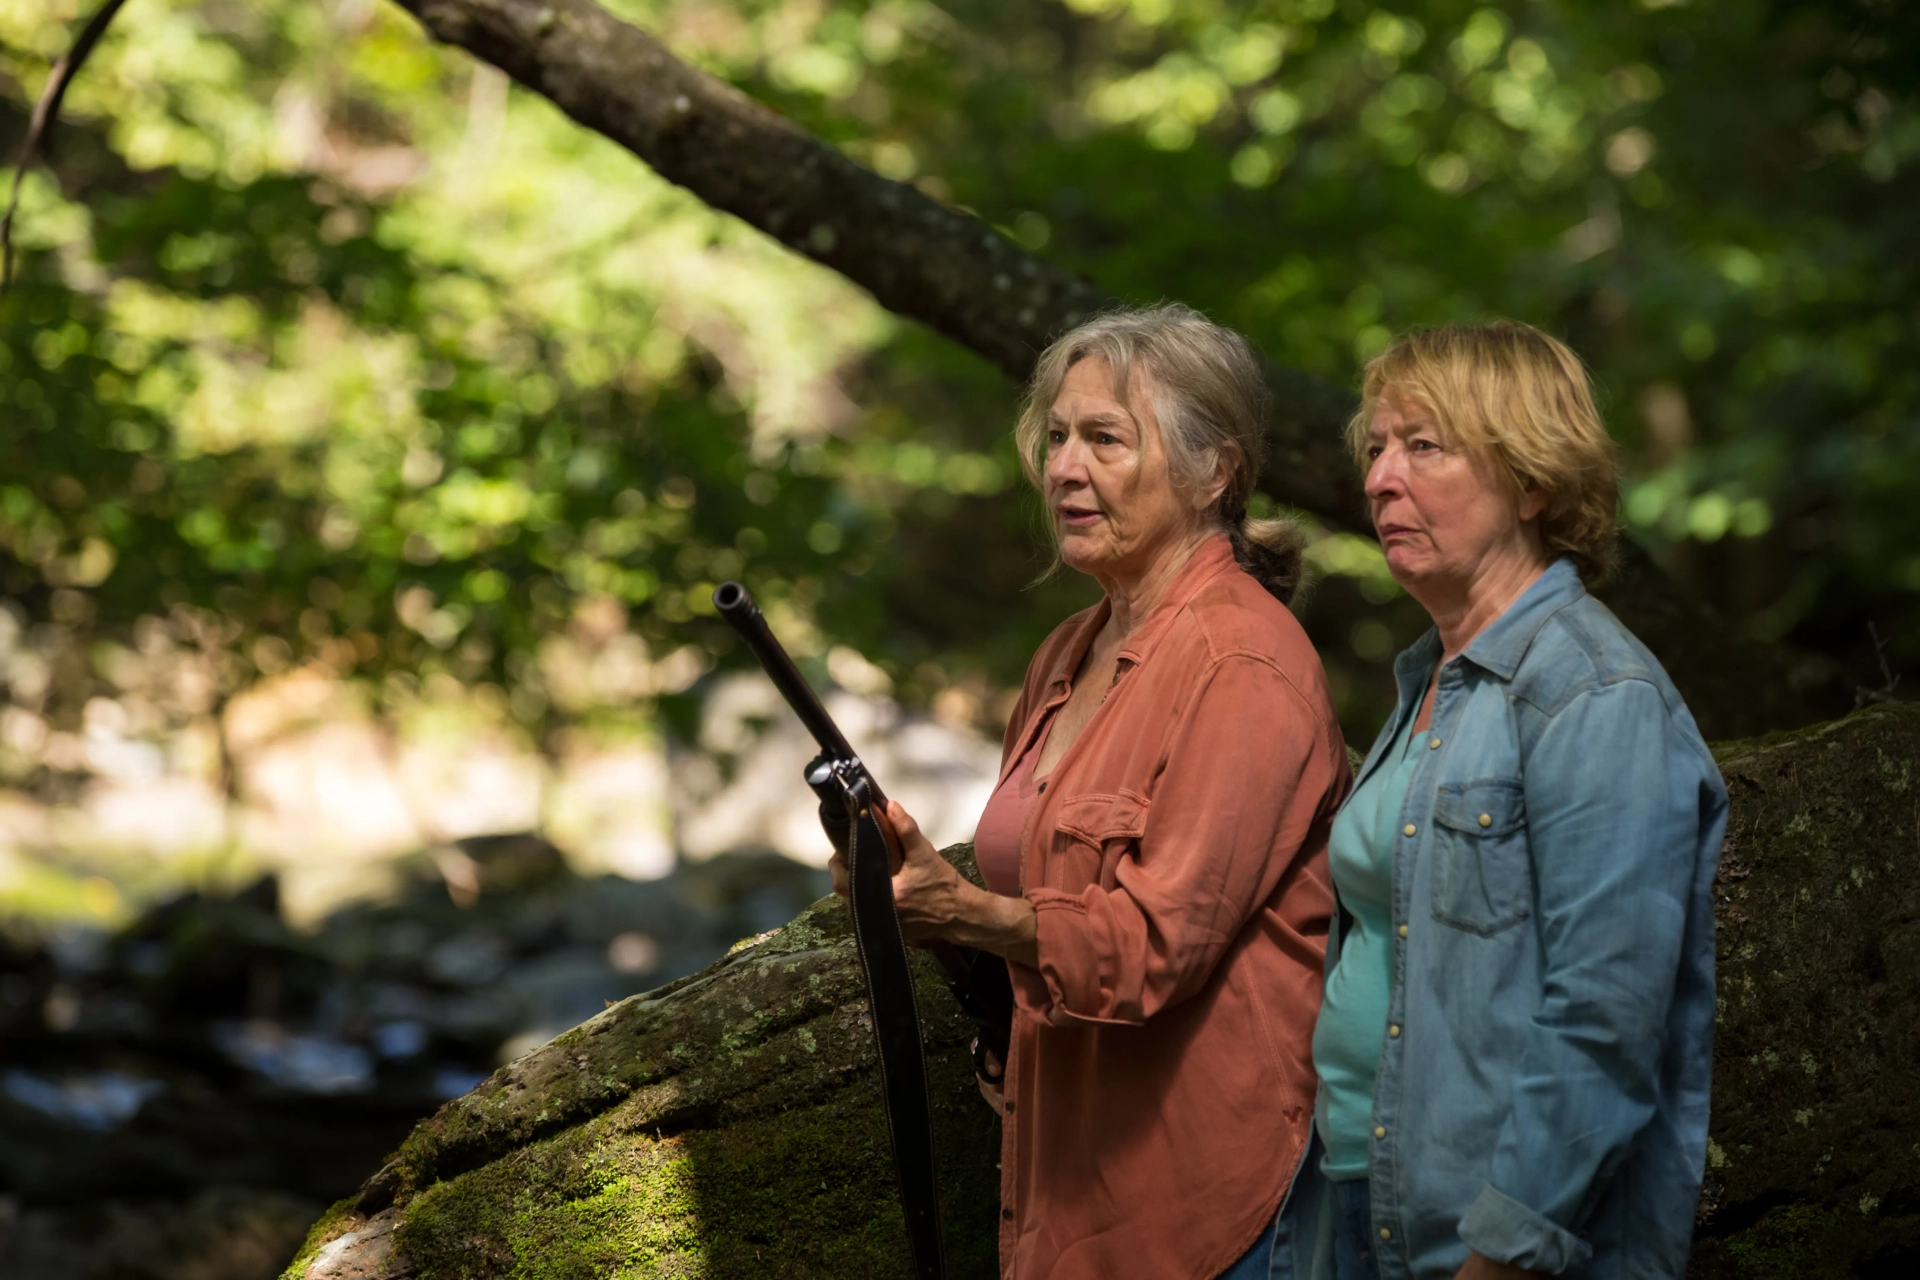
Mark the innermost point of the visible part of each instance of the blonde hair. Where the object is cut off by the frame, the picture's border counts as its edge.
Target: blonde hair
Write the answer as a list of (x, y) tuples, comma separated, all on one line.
[(1210, 401), (1525, 397)]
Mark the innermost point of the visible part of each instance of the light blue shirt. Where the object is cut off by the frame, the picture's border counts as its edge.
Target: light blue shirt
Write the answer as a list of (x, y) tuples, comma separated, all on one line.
[(1353, 1014), (1543, 1086)]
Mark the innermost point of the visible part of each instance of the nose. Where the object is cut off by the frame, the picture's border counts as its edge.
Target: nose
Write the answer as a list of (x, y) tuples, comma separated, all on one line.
[(1386, 475), (1066, 463)]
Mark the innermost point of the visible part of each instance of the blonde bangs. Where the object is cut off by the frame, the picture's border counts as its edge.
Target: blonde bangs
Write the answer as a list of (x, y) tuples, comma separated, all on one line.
[(1525, 397)]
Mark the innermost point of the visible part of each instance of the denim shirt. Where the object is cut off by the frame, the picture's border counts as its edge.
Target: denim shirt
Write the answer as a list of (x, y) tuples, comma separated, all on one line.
[(1543, 1084)]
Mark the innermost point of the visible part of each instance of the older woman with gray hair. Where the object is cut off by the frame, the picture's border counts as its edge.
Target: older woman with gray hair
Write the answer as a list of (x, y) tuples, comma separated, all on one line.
[(1154, 853)]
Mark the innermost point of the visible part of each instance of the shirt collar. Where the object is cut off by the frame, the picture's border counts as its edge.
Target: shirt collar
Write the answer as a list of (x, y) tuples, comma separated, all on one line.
[(1506, 640), (1499, 648), (1209, 560)]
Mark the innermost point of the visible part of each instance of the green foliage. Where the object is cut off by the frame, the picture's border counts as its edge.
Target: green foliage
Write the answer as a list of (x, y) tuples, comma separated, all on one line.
[(355, 355)]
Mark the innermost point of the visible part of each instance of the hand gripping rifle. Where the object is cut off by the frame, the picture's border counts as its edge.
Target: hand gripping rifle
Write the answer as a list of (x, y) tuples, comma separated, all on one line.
[(852, 806)]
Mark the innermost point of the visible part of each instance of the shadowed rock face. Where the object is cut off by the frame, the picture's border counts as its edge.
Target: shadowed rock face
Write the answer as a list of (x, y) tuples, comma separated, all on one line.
[(1814, 1165), (728, 1125)]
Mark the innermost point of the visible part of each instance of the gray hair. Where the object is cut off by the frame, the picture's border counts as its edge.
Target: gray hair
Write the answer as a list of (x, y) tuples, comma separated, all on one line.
[(1211, 402)]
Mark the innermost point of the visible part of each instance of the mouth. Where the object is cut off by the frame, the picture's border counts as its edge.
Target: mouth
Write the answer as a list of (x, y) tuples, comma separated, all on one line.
[(1075, 517), (1388, 532)]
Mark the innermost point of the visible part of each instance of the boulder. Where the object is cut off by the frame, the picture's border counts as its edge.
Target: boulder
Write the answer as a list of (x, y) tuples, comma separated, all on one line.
[(729, 1124)]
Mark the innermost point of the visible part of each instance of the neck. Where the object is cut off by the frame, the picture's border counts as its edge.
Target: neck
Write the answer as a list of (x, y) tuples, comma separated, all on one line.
[(1462, 611), (1132, 596)]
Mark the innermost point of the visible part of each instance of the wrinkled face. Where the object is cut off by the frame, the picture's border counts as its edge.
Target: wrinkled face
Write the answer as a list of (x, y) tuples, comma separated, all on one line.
[(1441, 513), (1108, 490)]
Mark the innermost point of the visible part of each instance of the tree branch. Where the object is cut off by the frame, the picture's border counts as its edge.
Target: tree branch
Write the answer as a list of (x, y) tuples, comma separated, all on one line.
[(45, 112), (918, 258)]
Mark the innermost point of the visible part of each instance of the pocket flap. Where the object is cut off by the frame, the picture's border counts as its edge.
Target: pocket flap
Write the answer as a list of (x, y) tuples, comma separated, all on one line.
[(1100, 817), (1488, 808)]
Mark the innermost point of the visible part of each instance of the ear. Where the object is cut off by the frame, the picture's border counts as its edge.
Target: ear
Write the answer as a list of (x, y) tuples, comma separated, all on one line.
[(1226, 460), (1532, 503)]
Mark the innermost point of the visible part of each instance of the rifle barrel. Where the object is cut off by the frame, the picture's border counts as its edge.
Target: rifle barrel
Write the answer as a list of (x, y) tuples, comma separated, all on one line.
[(732, 602)]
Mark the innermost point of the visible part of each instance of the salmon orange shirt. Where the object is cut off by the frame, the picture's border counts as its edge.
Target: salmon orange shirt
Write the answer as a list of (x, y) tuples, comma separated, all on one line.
[(1161, 1084)]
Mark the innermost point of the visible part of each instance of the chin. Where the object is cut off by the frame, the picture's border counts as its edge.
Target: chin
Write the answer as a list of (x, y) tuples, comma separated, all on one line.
[(1407, 568), (1080, 559)]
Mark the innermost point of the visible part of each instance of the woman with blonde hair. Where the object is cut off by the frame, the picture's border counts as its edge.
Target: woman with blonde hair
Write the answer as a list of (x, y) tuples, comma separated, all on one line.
[(1154, 852), (1515, 1044)]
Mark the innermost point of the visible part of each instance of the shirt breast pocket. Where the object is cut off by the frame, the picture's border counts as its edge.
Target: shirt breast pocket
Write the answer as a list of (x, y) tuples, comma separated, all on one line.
[(1091, 833), (1482, 875)]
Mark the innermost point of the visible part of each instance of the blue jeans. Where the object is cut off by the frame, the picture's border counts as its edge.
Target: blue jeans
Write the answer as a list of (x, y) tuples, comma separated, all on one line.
[(1353, 1231), (1254, 1263), (1312, 1199)]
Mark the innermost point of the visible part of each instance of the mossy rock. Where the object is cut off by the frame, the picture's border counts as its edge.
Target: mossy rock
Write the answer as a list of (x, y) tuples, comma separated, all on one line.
[(1814, 1164), (729, 1125)]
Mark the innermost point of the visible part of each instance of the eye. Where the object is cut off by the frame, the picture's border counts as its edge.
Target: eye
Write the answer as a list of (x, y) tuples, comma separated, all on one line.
[(1105, 437), (1373, 452), (1056, 436), (1423, 445)]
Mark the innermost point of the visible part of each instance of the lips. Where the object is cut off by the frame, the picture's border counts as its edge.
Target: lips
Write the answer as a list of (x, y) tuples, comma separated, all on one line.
[(1075, 517)]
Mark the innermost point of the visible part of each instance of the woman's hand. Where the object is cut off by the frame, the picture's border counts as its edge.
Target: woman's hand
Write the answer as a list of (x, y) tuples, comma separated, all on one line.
[(990, 1082), (929, 895), (936, 902), (1479, 1267)]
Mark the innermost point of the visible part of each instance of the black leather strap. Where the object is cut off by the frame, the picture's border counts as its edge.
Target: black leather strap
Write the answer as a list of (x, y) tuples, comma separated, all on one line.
[(896, 1031)]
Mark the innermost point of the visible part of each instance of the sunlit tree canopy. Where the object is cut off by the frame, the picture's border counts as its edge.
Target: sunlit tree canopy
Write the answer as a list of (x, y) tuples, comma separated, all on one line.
[(334, 351)]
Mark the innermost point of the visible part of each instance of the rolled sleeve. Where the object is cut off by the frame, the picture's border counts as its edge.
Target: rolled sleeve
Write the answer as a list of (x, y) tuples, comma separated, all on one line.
[(1247, 773), (1070, 976), (1613, 853), (1501, 1228)]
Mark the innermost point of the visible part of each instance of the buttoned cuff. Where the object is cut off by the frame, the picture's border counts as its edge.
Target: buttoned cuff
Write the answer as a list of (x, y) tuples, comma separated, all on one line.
[(1504, 1230), (1067, 968)]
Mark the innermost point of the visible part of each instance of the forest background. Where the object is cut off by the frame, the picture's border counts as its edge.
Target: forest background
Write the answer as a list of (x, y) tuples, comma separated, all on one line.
[(352, 398)]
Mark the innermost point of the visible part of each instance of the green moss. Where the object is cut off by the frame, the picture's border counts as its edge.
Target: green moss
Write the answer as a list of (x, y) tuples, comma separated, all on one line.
[(331, 1225), (803, 1193)]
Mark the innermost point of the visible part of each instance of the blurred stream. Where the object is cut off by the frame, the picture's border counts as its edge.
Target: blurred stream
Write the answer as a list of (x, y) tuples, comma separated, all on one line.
[(182, 1096)]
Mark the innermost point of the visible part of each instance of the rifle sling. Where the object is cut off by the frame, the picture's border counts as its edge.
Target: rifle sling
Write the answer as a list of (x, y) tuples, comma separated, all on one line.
[(896, 1032)]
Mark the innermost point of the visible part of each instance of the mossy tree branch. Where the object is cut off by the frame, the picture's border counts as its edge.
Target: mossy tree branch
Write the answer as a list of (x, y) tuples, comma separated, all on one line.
[(959, 276)]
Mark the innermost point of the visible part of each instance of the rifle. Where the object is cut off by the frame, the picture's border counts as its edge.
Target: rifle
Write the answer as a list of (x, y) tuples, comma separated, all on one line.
[(852, 804)]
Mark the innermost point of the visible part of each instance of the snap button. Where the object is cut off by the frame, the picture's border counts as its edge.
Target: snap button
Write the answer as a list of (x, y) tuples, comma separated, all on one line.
[(1379, 1131), (1385, 1234), (1393, 1032), (1409, 829), (1486, 819), (1433, 744), (1403, 931), (1043, 786)]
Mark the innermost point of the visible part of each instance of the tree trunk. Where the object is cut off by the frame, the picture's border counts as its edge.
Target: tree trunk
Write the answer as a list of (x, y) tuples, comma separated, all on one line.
[(729, 1124)]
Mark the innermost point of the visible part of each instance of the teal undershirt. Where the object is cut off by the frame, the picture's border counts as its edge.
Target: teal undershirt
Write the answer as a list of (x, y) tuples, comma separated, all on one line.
[(1353, 1014)]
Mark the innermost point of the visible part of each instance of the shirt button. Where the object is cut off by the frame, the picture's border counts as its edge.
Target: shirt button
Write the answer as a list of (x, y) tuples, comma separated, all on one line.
[(1433, 744), (1486, 819), (1385, 1234), (1043, 786), (1379, 1131), (1393, 1031), (1403, 931), (1408, 830), (1007, 1214), (1009, 1106)]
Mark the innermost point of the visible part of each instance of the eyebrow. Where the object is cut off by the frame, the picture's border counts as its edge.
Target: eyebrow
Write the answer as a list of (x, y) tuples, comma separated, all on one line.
[(1102, 419)]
